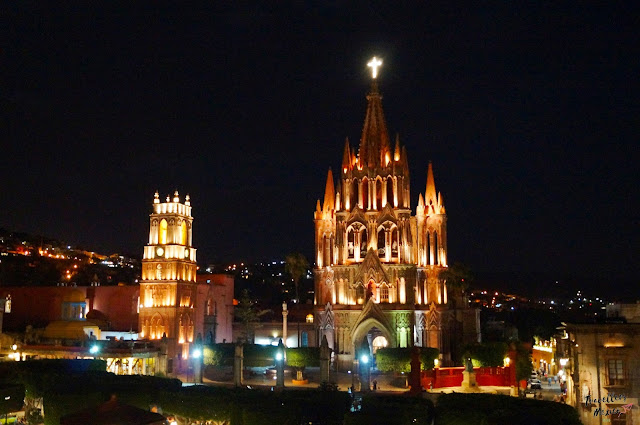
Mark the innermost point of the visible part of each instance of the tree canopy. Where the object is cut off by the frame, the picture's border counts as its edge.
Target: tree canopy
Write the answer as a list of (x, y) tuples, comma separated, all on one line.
[(296, 266)]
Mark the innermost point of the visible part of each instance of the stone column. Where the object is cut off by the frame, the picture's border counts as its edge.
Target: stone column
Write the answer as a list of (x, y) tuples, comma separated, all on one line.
[(285, 313), (414, 375), (325, 356), (238, 365)]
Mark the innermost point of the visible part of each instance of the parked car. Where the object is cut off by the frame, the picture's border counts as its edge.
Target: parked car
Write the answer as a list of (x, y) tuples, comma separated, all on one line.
[(535, 384)]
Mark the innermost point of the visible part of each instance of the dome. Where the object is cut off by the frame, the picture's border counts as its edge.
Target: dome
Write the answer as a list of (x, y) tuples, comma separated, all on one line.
[(75, 296), (70, 329)]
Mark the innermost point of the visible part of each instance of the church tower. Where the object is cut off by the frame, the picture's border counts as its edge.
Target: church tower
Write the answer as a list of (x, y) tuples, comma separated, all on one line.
[(168, 287), (378, 266)]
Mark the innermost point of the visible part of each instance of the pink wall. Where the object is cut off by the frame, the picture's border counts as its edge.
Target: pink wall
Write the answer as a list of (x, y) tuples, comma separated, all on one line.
[(452, 377)]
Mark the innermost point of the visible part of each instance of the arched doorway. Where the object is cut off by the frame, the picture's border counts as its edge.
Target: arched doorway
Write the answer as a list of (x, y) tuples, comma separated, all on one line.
[(374, 333)]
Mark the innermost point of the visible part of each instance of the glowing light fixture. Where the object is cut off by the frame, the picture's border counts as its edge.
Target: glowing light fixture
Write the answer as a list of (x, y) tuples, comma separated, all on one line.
[(94, 349), (364, 359), (279, 356), (197, 353), (374, 64)]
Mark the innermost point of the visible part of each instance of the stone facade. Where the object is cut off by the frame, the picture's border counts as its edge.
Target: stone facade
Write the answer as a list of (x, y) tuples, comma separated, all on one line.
[(377, 265), (603, 371)]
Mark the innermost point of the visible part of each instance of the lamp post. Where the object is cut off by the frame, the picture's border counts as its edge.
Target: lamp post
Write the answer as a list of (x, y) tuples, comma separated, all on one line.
[(285, 313), (197, 355), (280, 365)]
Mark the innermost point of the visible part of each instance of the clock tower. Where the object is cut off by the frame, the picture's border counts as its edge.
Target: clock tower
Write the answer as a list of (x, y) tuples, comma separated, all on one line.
[(168, 287)]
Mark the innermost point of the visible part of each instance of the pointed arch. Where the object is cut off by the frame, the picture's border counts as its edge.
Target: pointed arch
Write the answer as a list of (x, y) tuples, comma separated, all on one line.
[(162, 232), (381, 242), (359, 332), (183, 233), (364, 241), (436, 260), (364, 188)]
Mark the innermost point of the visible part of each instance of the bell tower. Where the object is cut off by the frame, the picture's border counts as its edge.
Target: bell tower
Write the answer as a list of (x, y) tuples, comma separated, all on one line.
[(168, 285)]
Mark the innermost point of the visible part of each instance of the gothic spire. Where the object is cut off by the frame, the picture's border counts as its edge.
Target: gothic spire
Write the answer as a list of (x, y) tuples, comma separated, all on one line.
[(430, 193), (329, 193), (374, 142), (346, 157)]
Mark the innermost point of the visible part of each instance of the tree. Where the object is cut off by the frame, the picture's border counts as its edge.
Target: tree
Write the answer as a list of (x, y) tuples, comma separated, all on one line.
[(296, 265), (302, 357), (458, 276), (247, 313)]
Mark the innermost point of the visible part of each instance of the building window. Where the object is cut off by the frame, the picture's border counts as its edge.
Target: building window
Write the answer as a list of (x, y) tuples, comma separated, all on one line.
[(309, 318), (384, 293), (304, 339), (615, 372)]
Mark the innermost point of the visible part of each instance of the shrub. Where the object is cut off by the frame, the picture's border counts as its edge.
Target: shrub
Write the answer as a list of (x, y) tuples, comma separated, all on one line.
[(399, 359)]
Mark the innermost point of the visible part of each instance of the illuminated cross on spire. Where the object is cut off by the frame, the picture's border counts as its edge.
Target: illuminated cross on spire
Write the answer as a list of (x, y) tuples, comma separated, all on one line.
[(374, 64)]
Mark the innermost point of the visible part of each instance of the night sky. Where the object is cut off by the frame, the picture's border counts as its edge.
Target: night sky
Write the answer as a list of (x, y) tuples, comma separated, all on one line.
[(529, 114)]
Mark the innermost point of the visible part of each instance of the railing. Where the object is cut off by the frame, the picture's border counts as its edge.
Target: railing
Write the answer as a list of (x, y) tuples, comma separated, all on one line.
[(452, 377)]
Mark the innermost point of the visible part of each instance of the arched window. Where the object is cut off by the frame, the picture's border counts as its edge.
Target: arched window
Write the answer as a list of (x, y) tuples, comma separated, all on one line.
[(365, 193), (428, 239), (304, 339), (436, 260), (162, 236), (360, 294), (384, 293), (381, 242), (183, 233), (351, 242), (394, 242), (390, 190), (364, 240)]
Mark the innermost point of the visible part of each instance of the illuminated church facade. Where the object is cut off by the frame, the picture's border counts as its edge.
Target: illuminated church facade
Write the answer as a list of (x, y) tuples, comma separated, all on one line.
[(377, 265)]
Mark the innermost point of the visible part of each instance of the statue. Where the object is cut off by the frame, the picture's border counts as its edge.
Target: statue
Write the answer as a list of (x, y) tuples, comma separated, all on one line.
[(468, 365)]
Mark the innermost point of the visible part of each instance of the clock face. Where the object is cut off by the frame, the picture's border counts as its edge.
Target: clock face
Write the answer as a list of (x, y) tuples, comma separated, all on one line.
[(159, 251), (186, 253)]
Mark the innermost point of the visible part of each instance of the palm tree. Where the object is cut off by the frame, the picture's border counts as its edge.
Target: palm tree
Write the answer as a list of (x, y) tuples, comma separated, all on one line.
[(296, 265)]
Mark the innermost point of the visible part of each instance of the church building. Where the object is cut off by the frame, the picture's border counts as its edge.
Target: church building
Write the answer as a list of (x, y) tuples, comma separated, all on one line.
[(377, 265)]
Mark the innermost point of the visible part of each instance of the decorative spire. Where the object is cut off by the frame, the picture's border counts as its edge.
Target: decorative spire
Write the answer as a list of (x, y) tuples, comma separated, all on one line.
[(374, 142), (329, 193), (346, 157), (430, 193), (396, 152), (420, 209), (187, 200), (176, 197), (156, 198)]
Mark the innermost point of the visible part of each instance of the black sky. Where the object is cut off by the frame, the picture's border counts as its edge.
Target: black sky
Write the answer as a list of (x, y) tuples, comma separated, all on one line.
[(529, 114)]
